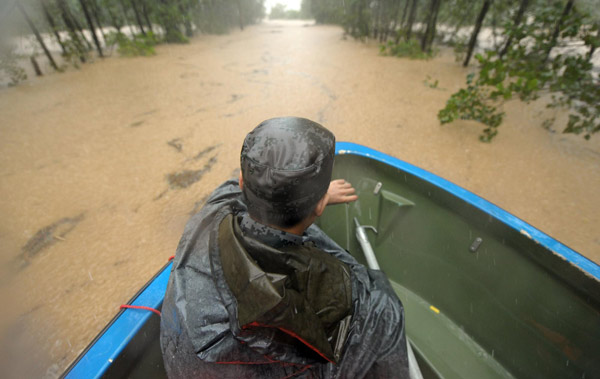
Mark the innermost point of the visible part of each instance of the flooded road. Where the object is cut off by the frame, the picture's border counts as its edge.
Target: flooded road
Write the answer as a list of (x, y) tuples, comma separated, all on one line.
[(100, 168)]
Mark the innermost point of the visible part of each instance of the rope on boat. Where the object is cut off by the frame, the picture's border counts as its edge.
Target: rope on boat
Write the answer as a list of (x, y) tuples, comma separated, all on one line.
[(126, 306)]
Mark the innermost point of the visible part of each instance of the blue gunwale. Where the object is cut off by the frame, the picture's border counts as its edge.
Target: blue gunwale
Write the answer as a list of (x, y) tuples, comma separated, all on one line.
[(521, 226), (94, 362)]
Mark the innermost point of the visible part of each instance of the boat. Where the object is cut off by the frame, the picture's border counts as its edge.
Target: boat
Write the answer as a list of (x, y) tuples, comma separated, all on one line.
[(486, 295)]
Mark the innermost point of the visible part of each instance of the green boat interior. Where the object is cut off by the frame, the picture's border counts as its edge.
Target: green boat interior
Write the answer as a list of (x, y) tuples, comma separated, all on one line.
[(482, 300)]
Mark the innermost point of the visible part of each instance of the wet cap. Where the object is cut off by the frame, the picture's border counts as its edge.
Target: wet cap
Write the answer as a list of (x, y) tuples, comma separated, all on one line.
[(286, 166)]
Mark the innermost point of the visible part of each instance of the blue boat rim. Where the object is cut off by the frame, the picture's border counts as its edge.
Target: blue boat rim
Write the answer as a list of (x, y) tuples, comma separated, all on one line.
[(514, 222), (101, 353)]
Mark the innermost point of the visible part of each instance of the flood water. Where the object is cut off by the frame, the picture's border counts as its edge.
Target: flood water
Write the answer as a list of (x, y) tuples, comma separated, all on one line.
[(101, 167)]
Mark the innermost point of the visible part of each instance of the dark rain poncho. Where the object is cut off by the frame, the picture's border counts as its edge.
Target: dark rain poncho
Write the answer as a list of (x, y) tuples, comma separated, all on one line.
[(248, 301)]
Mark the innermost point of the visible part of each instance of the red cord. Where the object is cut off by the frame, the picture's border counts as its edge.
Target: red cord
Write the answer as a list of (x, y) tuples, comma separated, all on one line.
[(290, 333), (139, 307), (298, 372), (171, 258)]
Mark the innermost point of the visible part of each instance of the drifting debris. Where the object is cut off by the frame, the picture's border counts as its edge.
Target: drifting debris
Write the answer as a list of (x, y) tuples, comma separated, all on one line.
[(45, 238), (186, 178), (205, 151), (176, 144)]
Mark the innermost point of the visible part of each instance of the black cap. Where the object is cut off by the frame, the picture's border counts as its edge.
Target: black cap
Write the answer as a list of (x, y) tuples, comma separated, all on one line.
[(286, 166)]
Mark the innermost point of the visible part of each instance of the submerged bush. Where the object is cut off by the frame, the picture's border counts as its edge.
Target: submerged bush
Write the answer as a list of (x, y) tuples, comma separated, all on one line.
[(8, 65), (408, 49), (139, 45)]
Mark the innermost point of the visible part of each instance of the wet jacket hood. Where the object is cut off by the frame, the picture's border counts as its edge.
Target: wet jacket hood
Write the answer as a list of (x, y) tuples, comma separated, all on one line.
[(286, 164)]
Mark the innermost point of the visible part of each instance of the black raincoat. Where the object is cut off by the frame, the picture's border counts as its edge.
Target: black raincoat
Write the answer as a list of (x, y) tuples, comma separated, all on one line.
[(248, 301)]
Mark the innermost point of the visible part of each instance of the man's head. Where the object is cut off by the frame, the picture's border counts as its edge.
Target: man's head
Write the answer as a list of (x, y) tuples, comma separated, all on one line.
[(286, 169)]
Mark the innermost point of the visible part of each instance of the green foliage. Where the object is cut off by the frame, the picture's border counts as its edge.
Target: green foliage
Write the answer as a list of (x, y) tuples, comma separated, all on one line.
[(429, 82), (472, 103), (73, 50), (174, 35), (139, 45), (327, 11), (171, 17), (529, 70), (408, 49), (8, 65)]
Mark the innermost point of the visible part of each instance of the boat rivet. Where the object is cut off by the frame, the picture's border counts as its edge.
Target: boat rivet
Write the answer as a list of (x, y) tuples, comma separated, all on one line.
[(475, 245), (377, 188)]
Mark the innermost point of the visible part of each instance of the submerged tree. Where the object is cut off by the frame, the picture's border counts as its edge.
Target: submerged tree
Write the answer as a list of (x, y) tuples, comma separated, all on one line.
[(88, 18), (476, 30), (538, 60), (53, 26), (427, 39), (37, 36)]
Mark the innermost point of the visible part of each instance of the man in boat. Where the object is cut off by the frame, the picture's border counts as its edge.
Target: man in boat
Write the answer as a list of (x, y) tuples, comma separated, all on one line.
[(257, 290)]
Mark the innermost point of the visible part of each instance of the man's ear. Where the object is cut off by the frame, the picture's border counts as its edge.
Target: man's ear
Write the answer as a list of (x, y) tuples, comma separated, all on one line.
[(241, 179), (320, 208)]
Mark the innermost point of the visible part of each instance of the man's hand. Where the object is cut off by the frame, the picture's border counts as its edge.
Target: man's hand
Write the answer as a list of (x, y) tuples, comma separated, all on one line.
[(340, 191)]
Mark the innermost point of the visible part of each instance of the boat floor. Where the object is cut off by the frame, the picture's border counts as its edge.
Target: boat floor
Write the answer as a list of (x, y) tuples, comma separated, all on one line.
[(435, 336)]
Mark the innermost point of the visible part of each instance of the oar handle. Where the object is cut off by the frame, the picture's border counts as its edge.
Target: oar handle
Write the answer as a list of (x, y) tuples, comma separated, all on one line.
[(361, 236)]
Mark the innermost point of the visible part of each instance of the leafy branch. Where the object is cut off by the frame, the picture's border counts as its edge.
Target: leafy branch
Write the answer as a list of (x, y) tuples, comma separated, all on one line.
[(528, 69)]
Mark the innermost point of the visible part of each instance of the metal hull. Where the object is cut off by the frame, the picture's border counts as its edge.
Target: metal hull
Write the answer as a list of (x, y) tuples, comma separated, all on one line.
[(486, 295)]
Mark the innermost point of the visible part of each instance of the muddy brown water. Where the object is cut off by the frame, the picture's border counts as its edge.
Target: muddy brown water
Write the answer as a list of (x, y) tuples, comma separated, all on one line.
[(101, 167)]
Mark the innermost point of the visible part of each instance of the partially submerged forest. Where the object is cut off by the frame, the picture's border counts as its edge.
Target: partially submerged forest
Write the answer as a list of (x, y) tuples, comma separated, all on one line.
[(87, 28), (538, 48), (531, 49)]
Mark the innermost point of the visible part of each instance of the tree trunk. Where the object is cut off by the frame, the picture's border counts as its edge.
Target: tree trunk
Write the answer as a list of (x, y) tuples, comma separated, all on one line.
[(411, 20), (593, 47), (79, 28), (429, 34), (189, 32), (395, 23), (404, 14), (427, 22), (241, 19), (518, 17), (53, 26), (475, 34), (554, 37), (363, 23), (37, 35), (169, 26), (146, 16), (96, 16), (137, 16), (114, 19), (126, 19), (378, 27), (92, 28), (36, 66), (72, 30)]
